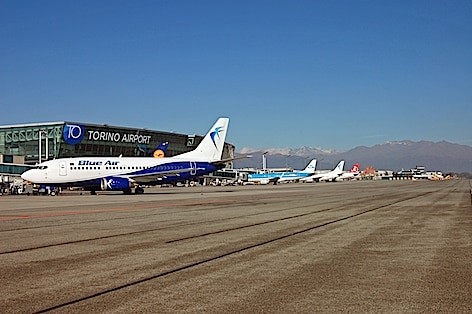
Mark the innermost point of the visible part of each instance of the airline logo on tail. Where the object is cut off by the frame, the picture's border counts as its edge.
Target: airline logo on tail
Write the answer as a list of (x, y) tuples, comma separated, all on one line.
[(311, 167), (216, 133), (355, 168), (160, 150), (339, 167)]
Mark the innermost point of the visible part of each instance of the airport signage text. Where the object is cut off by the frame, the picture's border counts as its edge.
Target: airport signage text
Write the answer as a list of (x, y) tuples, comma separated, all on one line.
[(118, 137), (74, 134)]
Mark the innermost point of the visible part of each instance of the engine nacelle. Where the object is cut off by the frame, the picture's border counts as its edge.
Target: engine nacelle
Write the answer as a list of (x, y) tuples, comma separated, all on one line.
[(115, 184)]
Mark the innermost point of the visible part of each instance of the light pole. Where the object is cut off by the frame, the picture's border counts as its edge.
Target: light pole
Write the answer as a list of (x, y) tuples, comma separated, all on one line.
[(47, 146), (264, 161), (39, 146)]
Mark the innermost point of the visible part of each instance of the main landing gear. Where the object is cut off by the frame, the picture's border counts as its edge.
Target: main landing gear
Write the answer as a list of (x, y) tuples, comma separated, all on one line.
[(137, 190)]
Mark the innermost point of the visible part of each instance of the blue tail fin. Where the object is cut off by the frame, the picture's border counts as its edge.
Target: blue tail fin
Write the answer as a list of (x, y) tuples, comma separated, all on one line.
[(161, 149)]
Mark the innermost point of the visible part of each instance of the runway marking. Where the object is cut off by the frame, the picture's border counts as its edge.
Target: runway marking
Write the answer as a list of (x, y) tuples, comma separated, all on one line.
[(219, 256), (130, 207), (8, 218), (176, 240), (145, 231)]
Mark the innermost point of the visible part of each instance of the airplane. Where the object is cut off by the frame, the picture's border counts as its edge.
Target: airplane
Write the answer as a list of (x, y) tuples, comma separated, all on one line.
[(277, 177), (351, 174), (125, 173), (327, 176)]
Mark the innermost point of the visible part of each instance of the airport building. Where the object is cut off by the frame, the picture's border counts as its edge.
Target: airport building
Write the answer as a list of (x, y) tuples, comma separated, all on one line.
[(27, 144)]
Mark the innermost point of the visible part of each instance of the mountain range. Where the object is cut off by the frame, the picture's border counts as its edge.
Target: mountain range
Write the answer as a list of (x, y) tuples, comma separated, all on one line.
[(434, 156)]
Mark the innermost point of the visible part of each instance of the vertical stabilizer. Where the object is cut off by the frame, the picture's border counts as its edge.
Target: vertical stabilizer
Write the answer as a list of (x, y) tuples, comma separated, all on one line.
[(211, 147), (160, 150), (311, 167), (339, 168), (355, 168)]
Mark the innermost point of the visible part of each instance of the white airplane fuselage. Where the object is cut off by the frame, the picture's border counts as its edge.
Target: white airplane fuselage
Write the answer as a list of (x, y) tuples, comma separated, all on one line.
[(96, 172), (123, 173), (285, 176)]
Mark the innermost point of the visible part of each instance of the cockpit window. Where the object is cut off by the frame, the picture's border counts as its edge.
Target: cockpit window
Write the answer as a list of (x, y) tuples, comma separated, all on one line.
[(42, 167)]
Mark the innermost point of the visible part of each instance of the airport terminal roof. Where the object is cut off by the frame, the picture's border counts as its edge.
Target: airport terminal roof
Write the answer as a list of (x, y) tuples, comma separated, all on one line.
[(39, 124), (26, 125)]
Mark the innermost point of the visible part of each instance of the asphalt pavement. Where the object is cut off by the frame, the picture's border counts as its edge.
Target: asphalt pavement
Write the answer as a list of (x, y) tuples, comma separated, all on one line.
[(361, 247)]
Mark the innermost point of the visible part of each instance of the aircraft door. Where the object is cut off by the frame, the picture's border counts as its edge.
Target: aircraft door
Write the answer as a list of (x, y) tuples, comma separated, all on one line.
[(62, 168), (193, 166)]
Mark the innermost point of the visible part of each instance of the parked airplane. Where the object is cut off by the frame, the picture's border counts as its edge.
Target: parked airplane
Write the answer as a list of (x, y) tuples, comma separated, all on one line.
[(351, 174), (125, 173), (276, 177), (328, 176)]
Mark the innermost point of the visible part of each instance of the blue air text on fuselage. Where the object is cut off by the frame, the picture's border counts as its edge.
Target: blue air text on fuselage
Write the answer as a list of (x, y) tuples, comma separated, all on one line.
[(98, 163)]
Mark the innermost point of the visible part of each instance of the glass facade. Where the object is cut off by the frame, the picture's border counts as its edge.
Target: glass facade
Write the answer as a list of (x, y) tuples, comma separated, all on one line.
[(13, 169), (24, 140), (72, 139)]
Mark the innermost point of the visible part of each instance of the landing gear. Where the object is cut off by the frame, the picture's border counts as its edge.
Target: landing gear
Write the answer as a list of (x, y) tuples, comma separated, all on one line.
[(137, 190), (93, 192)]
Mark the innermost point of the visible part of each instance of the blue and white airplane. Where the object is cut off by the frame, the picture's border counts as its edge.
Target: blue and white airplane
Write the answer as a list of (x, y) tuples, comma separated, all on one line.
[(126, 173), (277, 177), (326, 176)]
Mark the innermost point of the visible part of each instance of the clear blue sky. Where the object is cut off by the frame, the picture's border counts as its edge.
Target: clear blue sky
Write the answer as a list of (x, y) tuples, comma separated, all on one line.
[(330, 74)]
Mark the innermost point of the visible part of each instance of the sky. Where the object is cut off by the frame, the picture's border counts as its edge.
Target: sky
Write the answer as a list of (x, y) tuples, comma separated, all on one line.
[(327, 74)]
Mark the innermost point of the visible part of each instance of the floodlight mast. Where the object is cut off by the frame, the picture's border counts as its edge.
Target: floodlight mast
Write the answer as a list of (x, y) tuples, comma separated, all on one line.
[(39, 146), (264, 161)]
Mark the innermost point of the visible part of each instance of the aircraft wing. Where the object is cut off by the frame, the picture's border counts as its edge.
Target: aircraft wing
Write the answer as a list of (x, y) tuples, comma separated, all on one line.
[(315, 176), (146, 178), (223, 161)]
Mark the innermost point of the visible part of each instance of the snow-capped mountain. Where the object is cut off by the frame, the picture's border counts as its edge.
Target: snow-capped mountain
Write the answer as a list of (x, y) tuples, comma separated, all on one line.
[(395, 155)]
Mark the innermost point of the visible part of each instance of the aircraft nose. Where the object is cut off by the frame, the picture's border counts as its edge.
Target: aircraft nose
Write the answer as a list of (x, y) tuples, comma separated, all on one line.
[(26, 175)]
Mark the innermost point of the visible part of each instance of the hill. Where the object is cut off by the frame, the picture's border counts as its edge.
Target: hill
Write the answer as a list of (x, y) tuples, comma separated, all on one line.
[(397, 155)]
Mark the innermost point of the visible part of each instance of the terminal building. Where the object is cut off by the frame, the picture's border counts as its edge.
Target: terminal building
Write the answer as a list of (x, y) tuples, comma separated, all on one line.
[(24, 145)]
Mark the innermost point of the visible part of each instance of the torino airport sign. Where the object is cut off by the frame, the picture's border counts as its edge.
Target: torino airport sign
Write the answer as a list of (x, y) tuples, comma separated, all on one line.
[(74, 134)]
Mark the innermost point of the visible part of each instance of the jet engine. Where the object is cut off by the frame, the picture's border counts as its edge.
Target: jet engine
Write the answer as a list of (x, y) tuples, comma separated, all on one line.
[(115, 184)]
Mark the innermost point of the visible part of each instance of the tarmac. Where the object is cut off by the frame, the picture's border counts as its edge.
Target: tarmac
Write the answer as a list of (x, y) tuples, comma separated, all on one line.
[(359, 247)]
